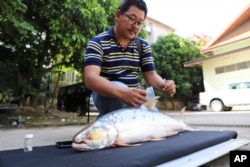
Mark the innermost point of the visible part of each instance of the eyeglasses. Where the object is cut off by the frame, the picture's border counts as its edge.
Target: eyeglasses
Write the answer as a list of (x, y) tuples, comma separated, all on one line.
[(132, 21)]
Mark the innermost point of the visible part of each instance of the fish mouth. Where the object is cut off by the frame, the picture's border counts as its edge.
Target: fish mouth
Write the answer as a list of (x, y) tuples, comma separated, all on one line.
[(86, 144), (81, 146)]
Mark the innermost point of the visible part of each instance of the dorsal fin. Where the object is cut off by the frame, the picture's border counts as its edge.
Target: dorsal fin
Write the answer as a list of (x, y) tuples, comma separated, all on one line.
[(182, 113), (150, 104)]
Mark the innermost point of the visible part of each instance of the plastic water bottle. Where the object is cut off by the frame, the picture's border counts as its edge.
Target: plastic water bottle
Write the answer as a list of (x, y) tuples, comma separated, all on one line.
[(28, 146), (150, 95), (150, 92)]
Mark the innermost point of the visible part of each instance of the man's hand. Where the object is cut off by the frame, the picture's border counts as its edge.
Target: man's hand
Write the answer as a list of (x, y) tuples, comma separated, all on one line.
[(169, 87), (134, 96)]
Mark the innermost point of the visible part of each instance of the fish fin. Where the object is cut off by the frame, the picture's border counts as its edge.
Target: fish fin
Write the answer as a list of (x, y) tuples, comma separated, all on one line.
[(124, 144), (150, 104), (188, 128), (174, 133), (157, 139), (182, 113)]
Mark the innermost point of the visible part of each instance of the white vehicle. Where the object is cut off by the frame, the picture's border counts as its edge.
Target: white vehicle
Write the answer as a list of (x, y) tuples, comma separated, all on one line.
[(235, 94)]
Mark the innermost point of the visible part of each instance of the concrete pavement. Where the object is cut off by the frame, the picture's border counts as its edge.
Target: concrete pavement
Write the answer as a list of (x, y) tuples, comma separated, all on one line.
[(14, 138), (236, 120)]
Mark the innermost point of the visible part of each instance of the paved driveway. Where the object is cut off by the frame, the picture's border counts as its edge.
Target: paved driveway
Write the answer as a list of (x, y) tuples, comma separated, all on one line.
[(234, 120)]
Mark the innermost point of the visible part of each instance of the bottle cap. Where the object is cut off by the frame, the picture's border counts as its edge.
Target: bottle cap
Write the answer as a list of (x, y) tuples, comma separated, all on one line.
[(29, 136)]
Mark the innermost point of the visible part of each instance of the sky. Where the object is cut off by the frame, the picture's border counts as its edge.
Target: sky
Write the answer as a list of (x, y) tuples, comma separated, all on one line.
[(208, 17)]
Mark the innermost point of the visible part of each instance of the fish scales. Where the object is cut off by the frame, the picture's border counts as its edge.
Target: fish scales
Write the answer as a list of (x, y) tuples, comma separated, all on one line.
[(126, 127), (141, 124)]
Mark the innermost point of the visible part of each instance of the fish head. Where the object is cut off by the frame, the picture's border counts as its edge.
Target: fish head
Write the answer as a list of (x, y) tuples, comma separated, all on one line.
[(97, 136)]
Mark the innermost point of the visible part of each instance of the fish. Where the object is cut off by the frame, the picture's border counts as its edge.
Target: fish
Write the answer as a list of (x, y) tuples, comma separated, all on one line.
[(128, 127)]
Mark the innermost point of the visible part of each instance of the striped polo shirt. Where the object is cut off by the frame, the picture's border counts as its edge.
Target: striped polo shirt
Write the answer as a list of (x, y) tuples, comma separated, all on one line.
[(116, 62)]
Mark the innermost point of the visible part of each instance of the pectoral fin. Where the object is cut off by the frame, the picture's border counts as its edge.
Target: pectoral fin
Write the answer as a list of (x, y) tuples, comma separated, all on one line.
[(156, 139), (150, 104), (120, 144), (174, 133)]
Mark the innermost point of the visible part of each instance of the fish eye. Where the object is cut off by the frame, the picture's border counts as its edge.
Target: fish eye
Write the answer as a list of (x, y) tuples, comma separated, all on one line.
[(88, 136)]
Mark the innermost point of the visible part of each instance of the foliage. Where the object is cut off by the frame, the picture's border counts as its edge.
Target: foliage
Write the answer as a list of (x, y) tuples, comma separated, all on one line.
[(39, 36), (5, 95), (143, 33), (42, 36), (170, 52)]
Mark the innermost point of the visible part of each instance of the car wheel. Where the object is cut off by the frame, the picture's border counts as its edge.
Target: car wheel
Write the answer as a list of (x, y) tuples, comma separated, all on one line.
[(217, 105)]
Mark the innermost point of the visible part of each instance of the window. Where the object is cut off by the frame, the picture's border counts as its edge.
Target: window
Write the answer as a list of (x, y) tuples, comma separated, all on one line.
[(242, 65), (240, 85), (232, 67), (234, 86), (247, 85), (219, 70)]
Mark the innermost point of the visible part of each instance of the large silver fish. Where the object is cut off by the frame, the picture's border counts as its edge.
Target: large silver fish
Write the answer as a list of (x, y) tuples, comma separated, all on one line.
[(128, 127)]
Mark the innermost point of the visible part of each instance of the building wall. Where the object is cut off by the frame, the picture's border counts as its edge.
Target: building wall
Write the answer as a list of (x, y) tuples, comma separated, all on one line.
[(235, 39), (155, 29), (217, 82)]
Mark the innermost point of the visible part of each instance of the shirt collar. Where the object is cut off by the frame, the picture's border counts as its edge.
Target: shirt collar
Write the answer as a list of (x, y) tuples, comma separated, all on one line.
[(111, 32)]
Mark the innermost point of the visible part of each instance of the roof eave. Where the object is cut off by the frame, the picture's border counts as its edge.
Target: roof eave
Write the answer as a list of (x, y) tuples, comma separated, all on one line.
[(198, 62)]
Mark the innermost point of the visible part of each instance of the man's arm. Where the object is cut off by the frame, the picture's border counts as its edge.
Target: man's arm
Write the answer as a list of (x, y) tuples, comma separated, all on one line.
[(104, 87), (99, 84), (166, 86)]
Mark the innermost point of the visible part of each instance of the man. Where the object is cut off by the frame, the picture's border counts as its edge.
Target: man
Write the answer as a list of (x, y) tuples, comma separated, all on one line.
[(112, 62)]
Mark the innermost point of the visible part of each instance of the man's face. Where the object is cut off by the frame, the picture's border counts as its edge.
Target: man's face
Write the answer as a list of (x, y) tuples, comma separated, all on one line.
[(130, 22)]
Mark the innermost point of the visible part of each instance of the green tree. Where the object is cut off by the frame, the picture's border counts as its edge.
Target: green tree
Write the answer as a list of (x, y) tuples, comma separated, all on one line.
[(39, 36), (170, 52)]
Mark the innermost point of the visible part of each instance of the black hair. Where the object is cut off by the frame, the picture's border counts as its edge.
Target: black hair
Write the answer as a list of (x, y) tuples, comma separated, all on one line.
[(126, 4)]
